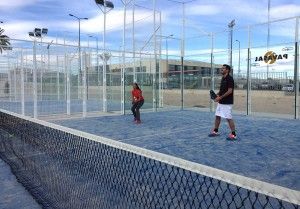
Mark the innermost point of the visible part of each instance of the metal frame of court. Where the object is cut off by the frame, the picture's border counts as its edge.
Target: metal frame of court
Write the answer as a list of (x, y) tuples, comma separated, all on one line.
[(30, 56)]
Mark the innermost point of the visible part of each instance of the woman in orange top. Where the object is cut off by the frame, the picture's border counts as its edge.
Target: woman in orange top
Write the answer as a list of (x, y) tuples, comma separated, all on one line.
[(137, 102)]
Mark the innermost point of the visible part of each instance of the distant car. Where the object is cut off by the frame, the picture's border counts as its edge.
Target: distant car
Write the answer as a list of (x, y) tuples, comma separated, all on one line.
[(254, 86), (288, 87), (265, 85)]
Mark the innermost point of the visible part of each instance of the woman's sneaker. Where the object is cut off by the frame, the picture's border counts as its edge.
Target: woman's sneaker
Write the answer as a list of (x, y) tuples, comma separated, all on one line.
[(138, 121), (231, 137), (213, 134)]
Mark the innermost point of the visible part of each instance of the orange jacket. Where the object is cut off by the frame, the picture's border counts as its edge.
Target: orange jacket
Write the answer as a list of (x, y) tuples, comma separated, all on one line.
[(137, 95)]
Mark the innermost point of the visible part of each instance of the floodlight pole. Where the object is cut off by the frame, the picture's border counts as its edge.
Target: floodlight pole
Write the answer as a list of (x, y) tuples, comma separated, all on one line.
[(230, 26), (79, 49), (22, 84), (133, 41), (156, 75), (48, 50), (167, 50), (161, 83), (212, 72), (103, 4), (268, 36), (34, 86), (97, 51), (35, 35), (125, 3), (104, 94), (239, 70), (57, 74), (42, 33), (167, 61), (182, 54), (296, 71)]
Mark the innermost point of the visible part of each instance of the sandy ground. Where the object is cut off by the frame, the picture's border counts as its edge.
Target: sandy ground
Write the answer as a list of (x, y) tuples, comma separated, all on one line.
[(261, 101), (277, 102)]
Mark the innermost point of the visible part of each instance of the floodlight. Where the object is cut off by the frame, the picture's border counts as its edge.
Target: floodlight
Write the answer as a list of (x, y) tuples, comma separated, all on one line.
[(231, 24), (100, 2), (108, 4), (44, 31), (37, 31)]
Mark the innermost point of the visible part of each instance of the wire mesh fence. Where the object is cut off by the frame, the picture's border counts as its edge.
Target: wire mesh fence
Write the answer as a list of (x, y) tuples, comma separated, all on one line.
[(42, 78)]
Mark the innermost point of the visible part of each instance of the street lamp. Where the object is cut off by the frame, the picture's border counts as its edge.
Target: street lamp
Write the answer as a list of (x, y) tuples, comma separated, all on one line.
[(90, 36), (239, 70), (167, 65), (268, 36), (167, 50), (48, 50), (230, 26), (97, 49), (105, 7), (79, 47)]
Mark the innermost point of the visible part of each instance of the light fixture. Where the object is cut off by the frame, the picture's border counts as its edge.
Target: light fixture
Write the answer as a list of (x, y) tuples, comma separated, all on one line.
[(104, 3)]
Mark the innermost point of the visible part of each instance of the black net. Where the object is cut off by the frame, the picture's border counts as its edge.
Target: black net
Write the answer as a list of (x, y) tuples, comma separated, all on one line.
[(63, 170)]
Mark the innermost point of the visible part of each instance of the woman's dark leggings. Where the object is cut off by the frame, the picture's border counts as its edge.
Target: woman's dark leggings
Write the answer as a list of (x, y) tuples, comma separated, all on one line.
[(136, 109)]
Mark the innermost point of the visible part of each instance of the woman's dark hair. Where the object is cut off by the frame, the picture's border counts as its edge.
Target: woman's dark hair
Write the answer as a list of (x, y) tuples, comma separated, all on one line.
[(137, 86), (227, 67)]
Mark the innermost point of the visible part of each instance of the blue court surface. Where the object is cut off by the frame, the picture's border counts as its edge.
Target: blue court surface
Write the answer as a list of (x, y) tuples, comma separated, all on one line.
[(267, 148), (12, 193)]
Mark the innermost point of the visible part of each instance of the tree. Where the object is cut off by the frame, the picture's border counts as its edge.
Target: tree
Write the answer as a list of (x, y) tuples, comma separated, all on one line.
[(4, 41)]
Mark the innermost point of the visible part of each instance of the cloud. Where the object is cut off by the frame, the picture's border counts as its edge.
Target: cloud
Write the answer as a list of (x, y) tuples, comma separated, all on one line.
[(114, 21), (19, 29), (9, 4), (243, 11), (68, 29), (203, 10), (284, 11)]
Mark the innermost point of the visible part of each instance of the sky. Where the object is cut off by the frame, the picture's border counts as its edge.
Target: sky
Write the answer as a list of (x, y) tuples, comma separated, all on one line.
[(203, 17)]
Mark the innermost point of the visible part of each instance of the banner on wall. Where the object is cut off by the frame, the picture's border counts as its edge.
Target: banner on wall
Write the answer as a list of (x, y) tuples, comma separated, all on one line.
[(271, 57)]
